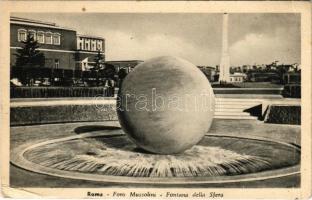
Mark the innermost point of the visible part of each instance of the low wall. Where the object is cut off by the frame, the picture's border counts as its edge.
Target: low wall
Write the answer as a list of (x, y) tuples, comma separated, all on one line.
[(42, 111)]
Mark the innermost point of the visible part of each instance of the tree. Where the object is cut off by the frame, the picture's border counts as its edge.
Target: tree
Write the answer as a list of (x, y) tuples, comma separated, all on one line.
[(122, 73), (268, 67), (295, 67), (281, 70), (29, 57), (98, 65), (109, 73), (254, 67)]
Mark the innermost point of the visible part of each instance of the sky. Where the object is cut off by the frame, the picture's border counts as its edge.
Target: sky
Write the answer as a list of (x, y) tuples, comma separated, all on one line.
[(197, 37)]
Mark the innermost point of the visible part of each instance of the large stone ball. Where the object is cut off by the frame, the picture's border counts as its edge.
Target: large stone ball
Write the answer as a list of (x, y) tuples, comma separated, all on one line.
[(165, 105)]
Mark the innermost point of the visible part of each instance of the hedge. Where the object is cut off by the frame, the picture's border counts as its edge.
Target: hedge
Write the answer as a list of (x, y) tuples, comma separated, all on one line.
[(283, 114), (46, 92), (30, 115)]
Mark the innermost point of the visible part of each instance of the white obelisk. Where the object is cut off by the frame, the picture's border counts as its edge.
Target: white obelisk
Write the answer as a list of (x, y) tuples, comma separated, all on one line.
[(225, 57)]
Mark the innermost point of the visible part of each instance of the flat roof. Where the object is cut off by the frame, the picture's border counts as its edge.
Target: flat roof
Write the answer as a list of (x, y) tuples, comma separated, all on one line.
[(31, 22), (238, 75), (125, 61), (90, 36)]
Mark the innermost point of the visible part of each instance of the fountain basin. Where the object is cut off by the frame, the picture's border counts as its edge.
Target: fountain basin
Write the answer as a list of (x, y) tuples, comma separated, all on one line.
[(109, 151)]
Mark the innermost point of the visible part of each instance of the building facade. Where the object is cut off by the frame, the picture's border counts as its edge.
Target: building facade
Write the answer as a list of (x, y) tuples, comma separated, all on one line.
[(87, 48), (62, 47), (237, 77)]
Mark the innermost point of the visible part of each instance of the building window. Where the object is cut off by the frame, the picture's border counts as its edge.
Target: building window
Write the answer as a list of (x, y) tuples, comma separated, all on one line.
[(93, 45), (56, 63), (22, 34), (48, 38), (40, 37), (32, 34), (79, 43), (99, 45), (87, 44), (56, 39)]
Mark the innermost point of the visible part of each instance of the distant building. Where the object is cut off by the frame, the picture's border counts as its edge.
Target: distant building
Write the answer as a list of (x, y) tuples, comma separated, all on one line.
[(262, 66), (237, 77), (273, 67), (62, 47)]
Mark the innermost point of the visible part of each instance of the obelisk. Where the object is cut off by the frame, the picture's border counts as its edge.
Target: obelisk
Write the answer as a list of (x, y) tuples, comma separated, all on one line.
[(225, 57)]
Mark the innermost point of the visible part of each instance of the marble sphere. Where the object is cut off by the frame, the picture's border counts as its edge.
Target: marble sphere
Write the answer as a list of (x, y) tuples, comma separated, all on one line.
[(165, 105)]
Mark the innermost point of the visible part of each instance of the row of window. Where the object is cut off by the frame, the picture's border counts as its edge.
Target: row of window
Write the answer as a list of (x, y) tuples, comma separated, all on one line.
[(89, 44), (236, 79), (40, 36)]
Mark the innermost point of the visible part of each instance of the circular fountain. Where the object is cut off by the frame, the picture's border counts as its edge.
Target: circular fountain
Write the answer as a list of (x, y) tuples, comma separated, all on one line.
[(107, 155), (150, 147)]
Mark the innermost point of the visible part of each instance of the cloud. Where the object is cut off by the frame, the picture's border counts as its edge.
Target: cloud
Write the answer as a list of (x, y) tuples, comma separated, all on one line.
[(254, 38), (264, 49), (123, 46)]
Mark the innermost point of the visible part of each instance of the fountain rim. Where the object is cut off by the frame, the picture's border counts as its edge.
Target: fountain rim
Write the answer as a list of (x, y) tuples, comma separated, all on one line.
[(18, 159)]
